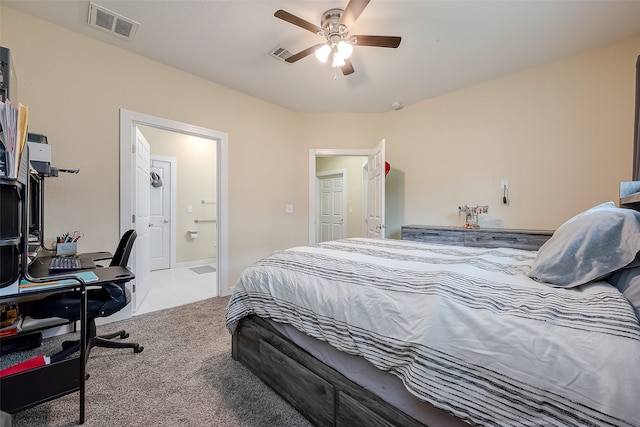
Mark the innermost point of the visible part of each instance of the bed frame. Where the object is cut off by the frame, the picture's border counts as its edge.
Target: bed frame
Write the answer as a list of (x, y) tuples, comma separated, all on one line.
[(318, 392)]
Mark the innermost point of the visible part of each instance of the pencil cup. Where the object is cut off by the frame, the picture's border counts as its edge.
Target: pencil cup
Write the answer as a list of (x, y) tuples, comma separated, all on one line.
[(70, 248)]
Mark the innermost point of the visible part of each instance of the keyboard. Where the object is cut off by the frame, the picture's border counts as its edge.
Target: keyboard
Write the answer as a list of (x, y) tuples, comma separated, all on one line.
[(65, 262)]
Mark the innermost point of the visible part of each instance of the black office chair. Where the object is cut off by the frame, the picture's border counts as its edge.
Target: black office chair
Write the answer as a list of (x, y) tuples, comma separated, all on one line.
[(102, 301)]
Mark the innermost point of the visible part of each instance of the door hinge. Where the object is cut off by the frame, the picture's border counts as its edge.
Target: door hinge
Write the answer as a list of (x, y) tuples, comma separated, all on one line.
[(133, 218), (133, 288), (133, 148)]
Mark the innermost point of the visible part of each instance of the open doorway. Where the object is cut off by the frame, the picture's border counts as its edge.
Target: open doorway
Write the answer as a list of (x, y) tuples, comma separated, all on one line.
[(185, 227), (182, 215), (368, 174), (340, 197)]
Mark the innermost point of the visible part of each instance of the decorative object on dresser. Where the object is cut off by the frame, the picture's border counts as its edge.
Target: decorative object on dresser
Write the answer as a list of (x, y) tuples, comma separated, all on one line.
[(471, 215), (478, 237)]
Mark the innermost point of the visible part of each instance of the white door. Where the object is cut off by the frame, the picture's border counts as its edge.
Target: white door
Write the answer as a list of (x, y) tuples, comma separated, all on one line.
[(140, 204), (375, 192), (332, 195), (160, 215)]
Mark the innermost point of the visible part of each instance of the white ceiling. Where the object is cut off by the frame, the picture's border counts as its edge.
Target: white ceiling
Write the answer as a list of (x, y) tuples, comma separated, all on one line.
[(446, 45)]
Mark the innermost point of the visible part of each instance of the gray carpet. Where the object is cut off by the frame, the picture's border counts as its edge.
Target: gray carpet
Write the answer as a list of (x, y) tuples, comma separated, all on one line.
[(184, 377)]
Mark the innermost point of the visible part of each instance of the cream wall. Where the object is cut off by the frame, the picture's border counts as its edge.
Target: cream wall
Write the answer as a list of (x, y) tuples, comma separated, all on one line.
[(560, 133), (195, 160), (75, 86)]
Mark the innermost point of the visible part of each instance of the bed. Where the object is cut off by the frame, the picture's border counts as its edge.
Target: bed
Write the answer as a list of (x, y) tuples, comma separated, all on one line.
[(390, 332)]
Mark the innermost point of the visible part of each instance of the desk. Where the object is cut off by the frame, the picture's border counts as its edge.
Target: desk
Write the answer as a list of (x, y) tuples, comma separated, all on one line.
[(39, 268), (17, 392)]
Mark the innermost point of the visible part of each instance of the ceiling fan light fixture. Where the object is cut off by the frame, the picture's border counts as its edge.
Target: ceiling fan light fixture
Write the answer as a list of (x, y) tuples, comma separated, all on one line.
[(338, 60), (334, 28), (345, 49), (322, 53)]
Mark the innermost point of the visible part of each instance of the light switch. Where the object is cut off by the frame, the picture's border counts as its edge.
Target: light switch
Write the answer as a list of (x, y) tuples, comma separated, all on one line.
[(189, 209), (288, 208)]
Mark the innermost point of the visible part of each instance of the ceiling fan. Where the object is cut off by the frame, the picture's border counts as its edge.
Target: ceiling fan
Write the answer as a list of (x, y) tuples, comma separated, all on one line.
[(334, 27)]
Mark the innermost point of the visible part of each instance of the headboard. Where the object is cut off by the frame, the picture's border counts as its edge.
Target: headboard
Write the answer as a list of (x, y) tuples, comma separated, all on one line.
[(630, 195)]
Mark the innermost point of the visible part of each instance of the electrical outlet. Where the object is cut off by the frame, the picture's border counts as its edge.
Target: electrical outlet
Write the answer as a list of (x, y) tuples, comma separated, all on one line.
[(288, 208)]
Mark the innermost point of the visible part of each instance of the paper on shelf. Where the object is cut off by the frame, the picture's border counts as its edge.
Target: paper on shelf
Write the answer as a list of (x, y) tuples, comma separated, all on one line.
[(13, 121), (87, 276)]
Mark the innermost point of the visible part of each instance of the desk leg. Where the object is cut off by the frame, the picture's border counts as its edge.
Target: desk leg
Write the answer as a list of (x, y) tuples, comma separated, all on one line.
[(83, 349)]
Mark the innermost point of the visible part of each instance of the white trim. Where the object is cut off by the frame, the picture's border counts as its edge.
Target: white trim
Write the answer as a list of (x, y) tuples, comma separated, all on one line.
[(128, 121), (365, 194)]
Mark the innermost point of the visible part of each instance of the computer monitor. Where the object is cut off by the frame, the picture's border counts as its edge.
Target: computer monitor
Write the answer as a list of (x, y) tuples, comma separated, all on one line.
[(8, 83), (35, 208)]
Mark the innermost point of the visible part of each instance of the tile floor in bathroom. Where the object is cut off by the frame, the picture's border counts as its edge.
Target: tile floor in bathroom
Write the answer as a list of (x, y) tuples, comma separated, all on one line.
[(179, 286)]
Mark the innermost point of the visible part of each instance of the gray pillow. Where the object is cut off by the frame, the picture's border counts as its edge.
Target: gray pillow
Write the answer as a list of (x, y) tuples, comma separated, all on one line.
[(627, 280), (589, 246)]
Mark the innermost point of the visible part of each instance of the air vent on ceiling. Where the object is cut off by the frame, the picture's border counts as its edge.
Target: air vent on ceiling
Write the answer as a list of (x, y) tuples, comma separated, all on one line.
[(280, 53), (111, 22)]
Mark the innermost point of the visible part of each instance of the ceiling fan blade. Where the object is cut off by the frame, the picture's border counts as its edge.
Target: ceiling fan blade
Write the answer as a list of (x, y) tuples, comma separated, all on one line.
[(347, 68), (352, 11), (378, 41), (302, 54), (286, 16)]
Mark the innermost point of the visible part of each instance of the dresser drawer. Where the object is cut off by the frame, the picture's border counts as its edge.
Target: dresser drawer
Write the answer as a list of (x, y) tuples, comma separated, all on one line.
[(477, 237), (528, 240), (441, 235)]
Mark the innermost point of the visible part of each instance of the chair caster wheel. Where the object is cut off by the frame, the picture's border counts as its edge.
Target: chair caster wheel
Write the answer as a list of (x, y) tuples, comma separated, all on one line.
[(138, 349), (124, 335)]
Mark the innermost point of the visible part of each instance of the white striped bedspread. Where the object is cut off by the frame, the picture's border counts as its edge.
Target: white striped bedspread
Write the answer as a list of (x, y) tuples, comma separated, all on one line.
[(465, 329)]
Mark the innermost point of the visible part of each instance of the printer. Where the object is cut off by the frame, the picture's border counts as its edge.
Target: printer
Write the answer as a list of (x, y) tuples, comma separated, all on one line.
[(39, 153), (40, 156)]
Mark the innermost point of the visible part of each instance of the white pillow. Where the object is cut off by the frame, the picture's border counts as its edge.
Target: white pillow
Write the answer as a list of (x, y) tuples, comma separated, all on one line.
[(589, 246)]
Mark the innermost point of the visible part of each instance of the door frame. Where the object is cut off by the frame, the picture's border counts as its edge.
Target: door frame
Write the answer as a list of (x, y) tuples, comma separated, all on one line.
[(173, 185), (343, 174), (128, 122), (324, 152)]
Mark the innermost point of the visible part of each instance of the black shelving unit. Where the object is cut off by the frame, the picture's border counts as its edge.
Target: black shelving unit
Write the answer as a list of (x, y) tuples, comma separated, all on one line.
[(28, 388), (11, 197)]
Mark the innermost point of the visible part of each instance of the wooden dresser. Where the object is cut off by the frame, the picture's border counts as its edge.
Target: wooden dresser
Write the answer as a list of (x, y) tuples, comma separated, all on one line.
[(478, 237)]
